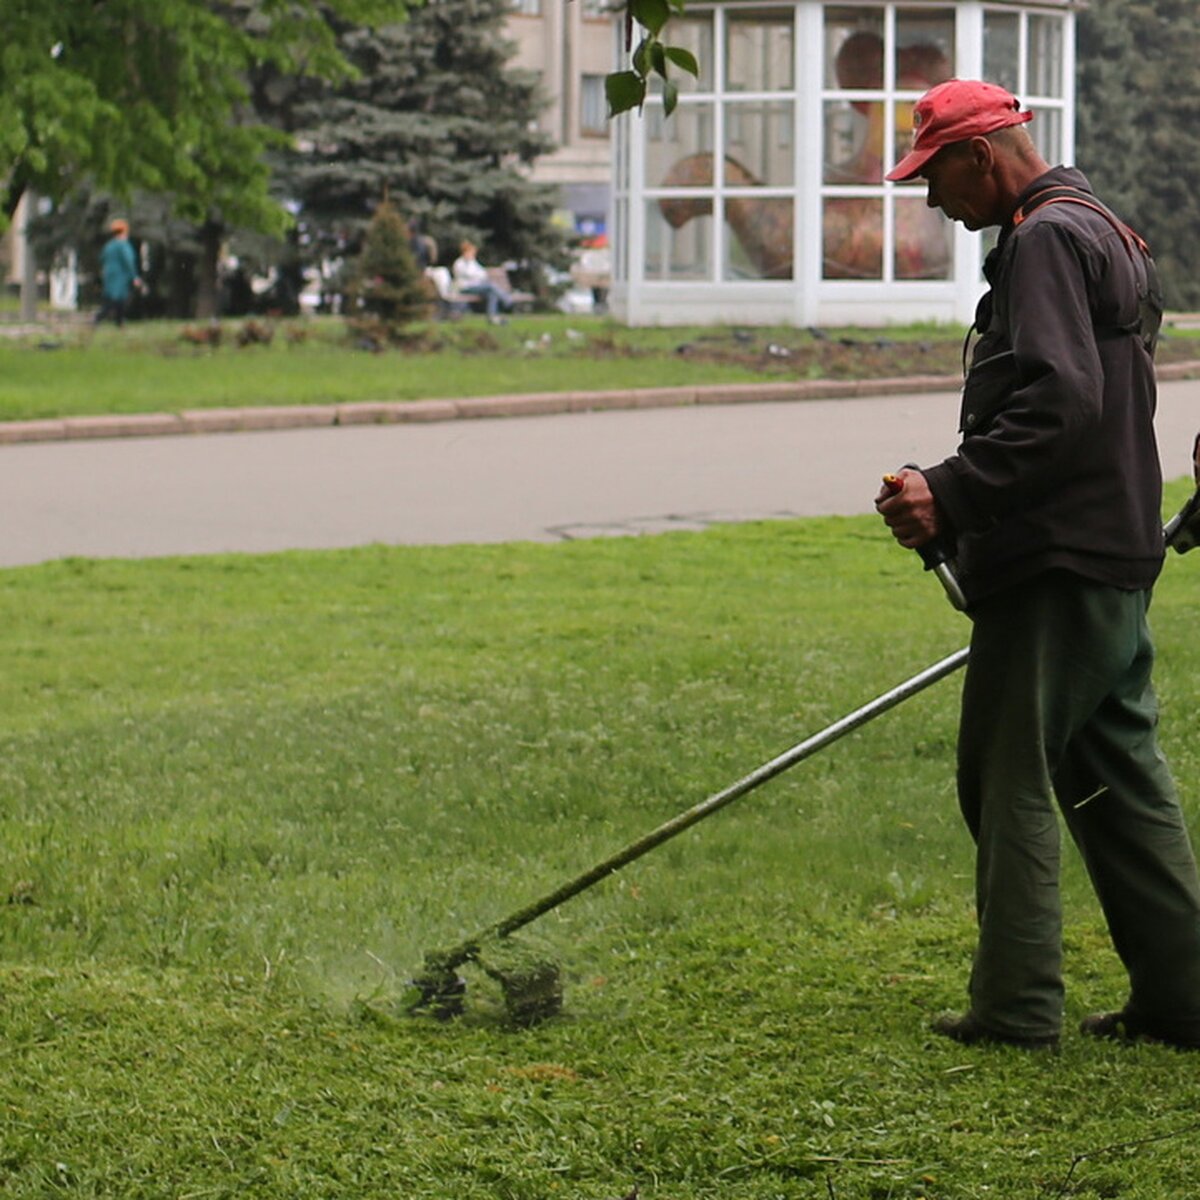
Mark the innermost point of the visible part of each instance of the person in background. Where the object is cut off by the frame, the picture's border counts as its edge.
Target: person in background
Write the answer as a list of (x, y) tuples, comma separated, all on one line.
[(471, 277), (118, 274)]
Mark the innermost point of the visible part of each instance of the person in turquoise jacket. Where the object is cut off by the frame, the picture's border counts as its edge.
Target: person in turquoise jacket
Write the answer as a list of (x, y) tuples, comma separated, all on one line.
[(118, 274)]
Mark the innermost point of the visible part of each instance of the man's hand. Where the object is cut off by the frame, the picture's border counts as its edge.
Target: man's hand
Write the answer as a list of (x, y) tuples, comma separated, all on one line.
[(909, 512)]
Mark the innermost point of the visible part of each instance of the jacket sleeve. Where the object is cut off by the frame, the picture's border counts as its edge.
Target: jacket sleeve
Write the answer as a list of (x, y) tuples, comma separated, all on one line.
[(1044, 303)]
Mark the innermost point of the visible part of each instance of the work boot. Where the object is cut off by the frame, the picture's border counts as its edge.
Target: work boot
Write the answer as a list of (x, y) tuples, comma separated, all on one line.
[(969, 1031), (1128, 1028)]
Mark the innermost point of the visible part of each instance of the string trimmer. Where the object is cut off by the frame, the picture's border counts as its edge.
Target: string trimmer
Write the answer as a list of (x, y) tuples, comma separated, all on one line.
[(532, 986)]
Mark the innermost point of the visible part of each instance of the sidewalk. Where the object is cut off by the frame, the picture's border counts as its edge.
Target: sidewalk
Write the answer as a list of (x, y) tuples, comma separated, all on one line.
[(234, 420)]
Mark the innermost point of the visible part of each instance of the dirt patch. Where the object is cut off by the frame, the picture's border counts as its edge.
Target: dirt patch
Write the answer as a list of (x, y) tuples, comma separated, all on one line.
[(822, 356), (817, 355)]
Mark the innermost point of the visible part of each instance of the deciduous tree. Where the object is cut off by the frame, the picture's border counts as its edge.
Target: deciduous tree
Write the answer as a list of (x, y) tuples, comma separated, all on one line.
[(151, 93)]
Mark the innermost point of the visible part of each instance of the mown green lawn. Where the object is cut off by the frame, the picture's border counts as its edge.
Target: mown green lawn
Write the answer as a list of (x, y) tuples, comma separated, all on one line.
[(242, 796)]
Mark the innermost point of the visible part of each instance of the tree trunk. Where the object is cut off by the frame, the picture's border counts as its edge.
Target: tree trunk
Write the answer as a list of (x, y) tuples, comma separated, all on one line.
[(211, 234), (29, 283)]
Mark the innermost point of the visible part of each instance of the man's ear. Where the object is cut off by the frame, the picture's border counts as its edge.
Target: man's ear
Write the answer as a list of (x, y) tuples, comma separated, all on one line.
[(983, 154)]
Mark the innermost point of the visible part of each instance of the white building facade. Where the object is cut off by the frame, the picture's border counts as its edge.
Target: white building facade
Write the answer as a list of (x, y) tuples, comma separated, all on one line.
[(762, 198)]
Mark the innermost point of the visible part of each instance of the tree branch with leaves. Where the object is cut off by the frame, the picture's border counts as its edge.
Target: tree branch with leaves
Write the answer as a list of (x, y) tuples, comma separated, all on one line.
[(652, 57), (151, 94)]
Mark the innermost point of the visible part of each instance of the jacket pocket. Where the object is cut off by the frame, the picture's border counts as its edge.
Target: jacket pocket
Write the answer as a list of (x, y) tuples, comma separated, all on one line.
[(990, 383)]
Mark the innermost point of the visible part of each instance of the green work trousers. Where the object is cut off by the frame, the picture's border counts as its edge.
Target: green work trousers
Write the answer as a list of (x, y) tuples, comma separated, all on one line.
[(1058, 705)]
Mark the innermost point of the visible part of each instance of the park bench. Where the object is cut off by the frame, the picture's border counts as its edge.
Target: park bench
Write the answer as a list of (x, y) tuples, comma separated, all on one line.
[(453, 303)]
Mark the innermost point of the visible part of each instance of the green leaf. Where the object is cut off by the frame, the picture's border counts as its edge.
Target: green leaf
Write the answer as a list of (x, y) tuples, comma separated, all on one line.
[(670, 97), (684, 59), (650, 14), (624, 90), (641, 57), (658, 58)]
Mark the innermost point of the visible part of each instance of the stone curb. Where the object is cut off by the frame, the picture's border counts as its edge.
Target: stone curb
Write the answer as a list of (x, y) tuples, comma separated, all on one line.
[(402, 412)]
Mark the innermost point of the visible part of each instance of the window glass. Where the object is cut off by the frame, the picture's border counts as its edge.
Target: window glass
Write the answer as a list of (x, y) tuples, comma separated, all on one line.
[(1001, 49), (694, 34), (759, 55), (758, 238), (758, 144), (527, 8), (902, 128), (621, 155), (1045, 56), (621, 238), (678, 239), (924, 50), (593, 105), (679, 148), (922, 244), (1046, 129), (852, 238), (853, 141), (853, 47)]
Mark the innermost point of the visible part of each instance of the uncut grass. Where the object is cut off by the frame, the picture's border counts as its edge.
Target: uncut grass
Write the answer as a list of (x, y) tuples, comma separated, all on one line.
[(244, 795), (147, 367)]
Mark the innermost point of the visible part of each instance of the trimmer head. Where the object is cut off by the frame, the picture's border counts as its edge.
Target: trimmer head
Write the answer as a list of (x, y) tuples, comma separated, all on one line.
[(532, 986), (439, 990)]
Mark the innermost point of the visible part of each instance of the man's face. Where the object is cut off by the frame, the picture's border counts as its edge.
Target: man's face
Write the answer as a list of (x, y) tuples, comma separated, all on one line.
[(960, 185)]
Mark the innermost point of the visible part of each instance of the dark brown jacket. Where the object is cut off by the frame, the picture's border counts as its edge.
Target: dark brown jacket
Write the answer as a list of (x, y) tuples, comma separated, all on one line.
[(1058, 466)]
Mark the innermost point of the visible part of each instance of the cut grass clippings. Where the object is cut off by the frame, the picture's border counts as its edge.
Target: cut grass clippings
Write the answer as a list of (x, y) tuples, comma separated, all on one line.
[(242, 796)]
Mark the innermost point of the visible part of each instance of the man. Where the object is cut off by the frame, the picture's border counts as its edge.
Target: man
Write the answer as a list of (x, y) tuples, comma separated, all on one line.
[(118, 274), (1052, 503)]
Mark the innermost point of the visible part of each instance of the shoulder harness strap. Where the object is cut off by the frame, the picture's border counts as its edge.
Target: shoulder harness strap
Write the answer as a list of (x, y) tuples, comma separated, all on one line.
[(1150, 298)]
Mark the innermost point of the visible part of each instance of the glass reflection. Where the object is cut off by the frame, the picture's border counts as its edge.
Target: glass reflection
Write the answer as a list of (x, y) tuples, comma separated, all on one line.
[(759, 56), (924, 51), (678, 239), (923, 247), (679, 148), (853, 141), (1045, 56), (1001, 49), (760, 245), (853, 47), (758, 145), (1046, 129), (852, 238)]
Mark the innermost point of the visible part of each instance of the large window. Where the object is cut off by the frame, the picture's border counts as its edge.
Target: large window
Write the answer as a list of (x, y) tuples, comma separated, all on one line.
[(878, 59), (775, 159), (720, 173), (1024, 52)]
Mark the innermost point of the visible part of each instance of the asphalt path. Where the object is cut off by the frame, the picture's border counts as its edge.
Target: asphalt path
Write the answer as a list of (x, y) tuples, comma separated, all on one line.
[(488, 480)]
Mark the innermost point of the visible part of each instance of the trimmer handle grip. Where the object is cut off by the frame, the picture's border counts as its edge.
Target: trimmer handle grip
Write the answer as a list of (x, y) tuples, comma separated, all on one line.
[(934, 554)]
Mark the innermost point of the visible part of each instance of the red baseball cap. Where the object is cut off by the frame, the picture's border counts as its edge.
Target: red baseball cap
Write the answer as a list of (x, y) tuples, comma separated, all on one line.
[(953, 112)]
